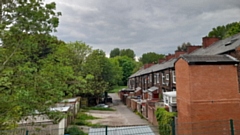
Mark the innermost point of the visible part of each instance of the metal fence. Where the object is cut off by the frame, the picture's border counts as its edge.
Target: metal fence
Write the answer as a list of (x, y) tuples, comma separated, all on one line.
[(224, 127), (96, 130), (33, 132)]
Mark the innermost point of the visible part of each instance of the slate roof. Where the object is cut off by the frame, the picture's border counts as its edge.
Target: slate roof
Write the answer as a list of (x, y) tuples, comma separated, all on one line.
[(153, 89), (154, 68), (133, 130), (209, 58), (219, 47)]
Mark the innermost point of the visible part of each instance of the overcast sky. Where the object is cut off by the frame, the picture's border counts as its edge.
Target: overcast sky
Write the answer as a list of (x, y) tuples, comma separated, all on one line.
[(142, 25)]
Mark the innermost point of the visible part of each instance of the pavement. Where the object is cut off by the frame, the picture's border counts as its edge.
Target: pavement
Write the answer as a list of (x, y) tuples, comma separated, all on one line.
[(123, 116)]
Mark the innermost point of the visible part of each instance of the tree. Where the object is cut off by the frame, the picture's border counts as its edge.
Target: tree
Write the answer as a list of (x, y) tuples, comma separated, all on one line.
[(184, 46), (94, 69), (225, 31), (115, 52), (150, 57), (28, 81), (234, 29), (128, 65), (128, 52)]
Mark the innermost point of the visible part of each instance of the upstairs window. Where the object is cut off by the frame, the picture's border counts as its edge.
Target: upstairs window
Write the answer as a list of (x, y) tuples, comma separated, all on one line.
[(163, 79), (167, 76), (173, 77), (157, 77), (150, 78)]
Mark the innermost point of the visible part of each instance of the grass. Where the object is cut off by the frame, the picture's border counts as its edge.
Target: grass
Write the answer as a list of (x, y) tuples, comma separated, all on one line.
[(116, 89), (85, 109), (101, 109), (139, 114), (82, 119)]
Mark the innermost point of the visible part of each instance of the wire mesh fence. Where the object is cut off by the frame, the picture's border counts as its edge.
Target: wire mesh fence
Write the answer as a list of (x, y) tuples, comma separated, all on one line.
[(33, 132), (224, 127)]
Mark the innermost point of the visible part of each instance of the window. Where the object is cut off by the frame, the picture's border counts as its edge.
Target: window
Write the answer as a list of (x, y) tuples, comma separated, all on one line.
[(163, 79), (150, 78), (157, 78), (167, 76), (173, 77)]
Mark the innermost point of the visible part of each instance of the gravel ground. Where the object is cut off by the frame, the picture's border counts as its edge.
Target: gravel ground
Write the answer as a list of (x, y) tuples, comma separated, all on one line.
[(123, 116)]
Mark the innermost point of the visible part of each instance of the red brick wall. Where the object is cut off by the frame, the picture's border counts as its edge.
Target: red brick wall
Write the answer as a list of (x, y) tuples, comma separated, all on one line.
[(207, 41), (192, 48), (133, 104), (150, 114), (206, 92)]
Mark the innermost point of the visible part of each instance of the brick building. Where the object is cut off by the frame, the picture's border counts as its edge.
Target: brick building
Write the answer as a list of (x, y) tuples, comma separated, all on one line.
[(207, 88)]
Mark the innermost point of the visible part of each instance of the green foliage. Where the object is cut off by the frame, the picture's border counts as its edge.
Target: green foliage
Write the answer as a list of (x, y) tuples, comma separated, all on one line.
[(184, 46), (128, 52), (82, 119), (225, 31), (128, 65), (101, 109), (165, 120), (150, 57), (116, 89), (122, 52), (115, 52), (74, 130), (139, 114)]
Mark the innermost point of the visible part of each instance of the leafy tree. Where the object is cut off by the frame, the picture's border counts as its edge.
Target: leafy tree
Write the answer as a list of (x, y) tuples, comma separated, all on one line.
[(234, 29), (225, 31), (115, 52), (94, 69), (128, 52), (184, 46), (116, 73), (150, 57), (28, 82), (128, 65)]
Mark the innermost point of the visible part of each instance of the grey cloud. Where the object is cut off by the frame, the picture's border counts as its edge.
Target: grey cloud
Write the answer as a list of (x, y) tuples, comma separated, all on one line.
[(142, 25)]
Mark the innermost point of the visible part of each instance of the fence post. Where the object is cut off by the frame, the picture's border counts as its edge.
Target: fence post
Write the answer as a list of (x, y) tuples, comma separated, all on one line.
[(231, 126), (26, 132), (106, 130), (173, 126)]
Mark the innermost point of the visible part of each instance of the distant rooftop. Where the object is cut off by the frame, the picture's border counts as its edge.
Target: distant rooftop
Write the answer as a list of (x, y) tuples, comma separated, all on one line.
[(209, 59)]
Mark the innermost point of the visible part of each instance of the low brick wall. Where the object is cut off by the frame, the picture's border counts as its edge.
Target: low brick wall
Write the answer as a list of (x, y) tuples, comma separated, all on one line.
[(134, 104)]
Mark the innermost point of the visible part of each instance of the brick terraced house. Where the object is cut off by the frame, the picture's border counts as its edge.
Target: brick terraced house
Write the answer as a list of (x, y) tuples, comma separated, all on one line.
[(156, 85)]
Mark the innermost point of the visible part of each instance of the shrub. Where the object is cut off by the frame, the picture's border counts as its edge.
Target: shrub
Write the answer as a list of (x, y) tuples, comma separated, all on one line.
[(165, 120), (74, 130)]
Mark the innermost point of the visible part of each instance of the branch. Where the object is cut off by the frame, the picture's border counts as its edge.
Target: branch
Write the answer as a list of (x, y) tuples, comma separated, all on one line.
[(5, 62)]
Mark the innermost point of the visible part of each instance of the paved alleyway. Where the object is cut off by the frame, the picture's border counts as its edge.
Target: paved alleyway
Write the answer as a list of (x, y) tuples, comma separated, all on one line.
[(128, 115)]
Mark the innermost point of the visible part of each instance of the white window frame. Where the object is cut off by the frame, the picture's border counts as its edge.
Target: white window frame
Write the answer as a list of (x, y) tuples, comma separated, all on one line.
[(150, 78), (173, 77), (157, 78), (167, 76), (163, 79)]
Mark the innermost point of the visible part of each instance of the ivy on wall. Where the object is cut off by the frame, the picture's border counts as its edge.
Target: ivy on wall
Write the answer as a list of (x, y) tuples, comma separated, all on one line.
[(165, 120)]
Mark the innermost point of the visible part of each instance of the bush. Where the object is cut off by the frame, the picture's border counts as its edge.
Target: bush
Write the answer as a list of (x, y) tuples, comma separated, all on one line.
[(74, 130), (165, 120)]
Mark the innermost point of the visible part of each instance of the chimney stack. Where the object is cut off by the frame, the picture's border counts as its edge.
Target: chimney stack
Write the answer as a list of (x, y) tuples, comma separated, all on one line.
[(161, 60), (178, 53), (170, 56), (148, 65), (192, 48), (207, 41)]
